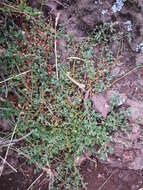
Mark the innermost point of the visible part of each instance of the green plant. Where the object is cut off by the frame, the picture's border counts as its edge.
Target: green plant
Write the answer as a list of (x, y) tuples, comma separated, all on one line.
[(63, 126)]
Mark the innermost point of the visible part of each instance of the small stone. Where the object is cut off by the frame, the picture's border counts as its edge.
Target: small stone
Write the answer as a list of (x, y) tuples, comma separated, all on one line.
[(79, 160), (136, 130), (118, 149), (140, 82), (96, 51), (137, 164), (128, 156), (133, 103), (139, 59), (115, 72), (4, 124), (135, 111), (136, 115), (119, 98), (62, 44), (100, 104)]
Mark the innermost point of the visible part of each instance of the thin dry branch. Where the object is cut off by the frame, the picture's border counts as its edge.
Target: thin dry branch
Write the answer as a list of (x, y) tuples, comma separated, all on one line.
[(55, 43), (10, 78), (9, 142), (35, 181), (8, 164), (4, 161), (76, 58), (17, 10), (81, 86), (101, 187), (58, 2), (126, 74), (46, 170)]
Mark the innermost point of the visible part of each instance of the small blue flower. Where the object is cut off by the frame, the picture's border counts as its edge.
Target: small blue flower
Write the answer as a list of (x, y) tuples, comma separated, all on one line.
[(118, 5), (139, 47), (128, 25), (104, 12)]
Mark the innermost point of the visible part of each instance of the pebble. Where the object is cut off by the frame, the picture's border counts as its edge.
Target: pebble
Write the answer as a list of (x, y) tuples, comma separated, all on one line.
[(116, 71)]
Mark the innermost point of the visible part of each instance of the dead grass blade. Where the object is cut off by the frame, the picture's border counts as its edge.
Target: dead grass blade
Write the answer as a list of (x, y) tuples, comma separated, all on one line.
[(35, 181), (10, 78), (4, 161), (126, 74), (55, 44), (101, 187), (81, 86), (9, 142), (75, 58), (8, 164)]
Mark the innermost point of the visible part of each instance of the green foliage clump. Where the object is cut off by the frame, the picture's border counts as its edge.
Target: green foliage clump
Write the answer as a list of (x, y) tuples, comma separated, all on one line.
[(63, 124)]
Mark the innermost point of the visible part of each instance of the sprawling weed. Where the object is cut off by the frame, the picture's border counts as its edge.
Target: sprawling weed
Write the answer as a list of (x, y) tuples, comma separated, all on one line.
[(64, 125)]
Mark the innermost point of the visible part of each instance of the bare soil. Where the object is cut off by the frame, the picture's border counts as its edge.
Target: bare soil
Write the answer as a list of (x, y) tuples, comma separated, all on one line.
[(102, 177), (106, 178)]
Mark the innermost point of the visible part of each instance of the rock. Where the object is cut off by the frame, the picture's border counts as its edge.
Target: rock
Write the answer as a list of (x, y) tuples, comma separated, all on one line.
[(133, 103), (137, 164), (100, 104), (89, 20), (115, 72), (127, 154), (139, 59), (79, 16), (135, 111), (118, 98), (136, 115), (140, 82), (4, 124), (118, 149), (135, 133)]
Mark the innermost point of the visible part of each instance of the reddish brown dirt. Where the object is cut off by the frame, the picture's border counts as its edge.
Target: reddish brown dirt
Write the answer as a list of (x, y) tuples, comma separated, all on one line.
[(101, 178), (22, 180), (106, 178)]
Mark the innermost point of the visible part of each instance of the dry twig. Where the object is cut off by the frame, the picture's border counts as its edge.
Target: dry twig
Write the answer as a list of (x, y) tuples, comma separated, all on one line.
[(8, 164), (35, 181), (10, 78), (76, 58), (17, 10), (126, 74), (4, 161), (101, 187), (58, 2), (81, 86), (55, 42), (47, 169), (9, 142)]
